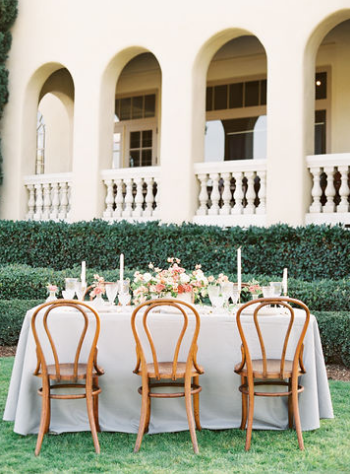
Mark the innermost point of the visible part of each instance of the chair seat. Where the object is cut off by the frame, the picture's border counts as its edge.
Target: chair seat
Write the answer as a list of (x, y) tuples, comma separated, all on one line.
[(67, 371), (166, 369), (273, 369)]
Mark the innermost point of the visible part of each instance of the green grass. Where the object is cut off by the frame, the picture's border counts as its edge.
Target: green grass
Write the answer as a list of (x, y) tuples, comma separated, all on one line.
[(327, 449)]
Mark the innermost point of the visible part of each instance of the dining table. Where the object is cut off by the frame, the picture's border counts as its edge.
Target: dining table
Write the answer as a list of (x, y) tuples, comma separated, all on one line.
[(219, 349)]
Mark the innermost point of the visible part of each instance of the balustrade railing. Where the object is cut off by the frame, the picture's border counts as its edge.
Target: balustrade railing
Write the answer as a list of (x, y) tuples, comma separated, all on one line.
[(48, 196), (132, 193), (330, 194), (232, 192)]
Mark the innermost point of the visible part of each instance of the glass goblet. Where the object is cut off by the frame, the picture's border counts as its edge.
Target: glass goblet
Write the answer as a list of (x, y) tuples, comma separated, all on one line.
[(124, 296), (80, 290), (215, 296), (268, 291), (226, 290), (111, 291), (70, 284), (277, 288), (68, 294)]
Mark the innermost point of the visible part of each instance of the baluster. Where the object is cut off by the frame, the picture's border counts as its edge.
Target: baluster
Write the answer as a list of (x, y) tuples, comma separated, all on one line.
[(138, 211), (38, 202), (343, 206), (226, 194), (157, 200), (69, 194), (203, 195), (149, 199), (62, 215), (330, 190), (129, 199), (261, 209), (215, 195), (108, 212), (55, 202), (47, 201), (250, 193), (238, 194), (119, 199), (31, 202), (316, 191)]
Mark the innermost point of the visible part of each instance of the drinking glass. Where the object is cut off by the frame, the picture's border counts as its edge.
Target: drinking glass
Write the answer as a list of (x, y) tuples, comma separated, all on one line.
[(277, 288), (70, 284), (111, 291), (80, 290), (215, 296), (268, 291), (68, 294), (124, 296)]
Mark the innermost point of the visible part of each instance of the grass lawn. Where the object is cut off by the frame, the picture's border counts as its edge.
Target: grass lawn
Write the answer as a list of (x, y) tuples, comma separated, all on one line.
[(326, 449)]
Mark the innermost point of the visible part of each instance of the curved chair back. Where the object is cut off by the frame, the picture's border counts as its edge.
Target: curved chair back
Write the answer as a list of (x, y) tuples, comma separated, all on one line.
[(287, 306), (183, 308), (39, 335)]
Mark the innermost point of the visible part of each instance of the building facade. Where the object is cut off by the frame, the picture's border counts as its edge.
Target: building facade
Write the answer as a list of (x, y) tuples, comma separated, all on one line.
[(228, 113)]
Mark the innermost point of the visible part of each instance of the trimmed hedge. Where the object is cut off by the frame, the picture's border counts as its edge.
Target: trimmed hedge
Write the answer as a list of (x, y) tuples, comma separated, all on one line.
[(12, 314), (24, 282), (311, 252)]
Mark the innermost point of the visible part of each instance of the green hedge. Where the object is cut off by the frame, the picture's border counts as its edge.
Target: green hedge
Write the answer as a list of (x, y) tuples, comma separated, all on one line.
[(12, 314), (311, 252), (25, 282)]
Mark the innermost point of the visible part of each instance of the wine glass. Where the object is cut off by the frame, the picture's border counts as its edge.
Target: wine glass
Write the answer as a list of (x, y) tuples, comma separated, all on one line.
[(277, 288), (80, 290), (111, 292), (70, 284), (268, 291), (215, 296), (68, 294), (124, 296), (226, 291)]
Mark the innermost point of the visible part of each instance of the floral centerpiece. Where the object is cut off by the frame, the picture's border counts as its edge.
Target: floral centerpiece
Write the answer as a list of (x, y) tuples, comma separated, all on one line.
[(52, 289), (172, 281), (99, 286)]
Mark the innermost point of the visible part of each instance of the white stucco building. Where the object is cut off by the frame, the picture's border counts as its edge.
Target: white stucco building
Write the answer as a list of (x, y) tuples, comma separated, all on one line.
[(225, 112)]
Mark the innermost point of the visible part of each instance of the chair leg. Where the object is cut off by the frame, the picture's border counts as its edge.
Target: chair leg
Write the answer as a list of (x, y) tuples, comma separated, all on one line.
[(148, 417), (144, 413), (91, 415), (45, 414), (290, 405), (250, 414), (244, 406), (296, 413), (191, 425), (95, 406), (196, 405)]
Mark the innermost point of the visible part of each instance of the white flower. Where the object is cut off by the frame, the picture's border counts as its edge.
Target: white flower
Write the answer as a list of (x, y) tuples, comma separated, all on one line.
[(147, 277), (184, 278)]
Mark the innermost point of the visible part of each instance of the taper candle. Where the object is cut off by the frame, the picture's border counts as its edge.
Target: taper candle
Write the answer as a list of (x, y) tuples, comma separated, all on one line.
[(121, 272), (239, 269)]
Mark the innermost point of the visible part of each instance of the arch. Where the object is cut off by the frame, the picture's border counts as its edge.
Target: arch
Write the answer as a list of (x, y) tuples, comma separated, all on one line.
[(109, 80), (33, 93)]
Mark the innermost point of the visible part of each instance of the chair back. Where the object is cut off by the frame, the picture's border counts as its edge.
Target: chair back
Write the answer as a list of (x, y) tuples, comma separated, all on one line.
[(45, 337), (285, 307), (180, 307)]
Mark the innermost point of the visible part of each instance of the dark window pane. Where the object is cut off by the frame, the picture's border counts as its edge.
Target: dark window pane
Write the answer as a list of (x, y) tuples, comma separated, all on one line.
[(320, 132), (146, 157), (150, 105), (125, 109), (137, 107), (135, 158), (209, 99), (321, 85), (263, 91), (239, 135), (251, 96), (146, 138), (135, 139), (117, 108), (236, 95), (220, 97)]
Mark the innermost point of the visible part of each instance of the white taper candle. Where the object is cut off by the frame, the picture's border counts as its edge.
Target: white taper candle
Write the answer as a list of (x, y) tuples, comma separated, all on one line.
[(121, 272), (83, 273), (285, 281), (239, 269)]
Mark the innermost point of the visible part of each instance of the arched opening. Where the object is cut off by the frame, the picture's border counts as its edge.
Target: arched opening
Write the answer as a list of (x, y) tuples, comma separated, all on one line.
[(137, 113), (236, 125), (54, 141)]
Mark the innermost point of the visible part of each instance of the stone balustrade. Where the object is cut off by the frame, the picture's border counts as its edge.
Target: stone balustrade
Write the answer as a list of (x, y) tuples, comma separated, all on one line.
[(330, 194), (48, 196), (232, 193), (132, 194)]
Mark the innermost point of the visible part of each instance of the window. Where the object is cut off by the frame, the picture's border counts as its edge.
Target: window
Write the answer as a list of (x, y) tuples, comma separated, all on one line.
[(135, 130)]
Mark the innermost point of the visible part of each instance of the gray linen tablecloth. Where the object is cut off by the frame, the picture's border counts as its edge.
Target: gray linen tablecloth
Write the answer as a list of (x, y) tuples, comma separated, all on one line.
[(220, 401)]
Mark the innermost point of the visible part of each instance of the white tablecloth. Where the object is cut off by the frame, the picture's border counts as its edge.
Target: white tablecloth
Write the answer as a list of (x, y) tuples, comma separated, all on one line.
[(220, 401)]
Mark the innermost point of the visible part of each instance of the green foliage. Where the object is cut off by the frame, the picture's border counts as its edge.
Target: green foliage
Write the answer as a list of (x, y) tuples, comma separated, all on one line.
[(311, 252), (8, 13), (3, 88), (335, 336), (12, 314), (5, 44)]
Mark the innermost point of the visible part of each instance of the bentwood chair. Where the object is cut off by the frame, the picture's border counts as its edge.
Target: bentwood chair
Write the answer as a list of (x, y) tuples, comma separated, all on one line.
[(154, 372), (263, 371), (56, 372)]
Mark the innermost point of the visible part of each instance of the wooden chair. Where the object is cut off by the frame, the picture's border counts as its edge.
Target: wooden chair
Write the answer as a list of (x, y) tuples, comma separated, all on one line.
[(265, 371), (63, 374), (153, 372)]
